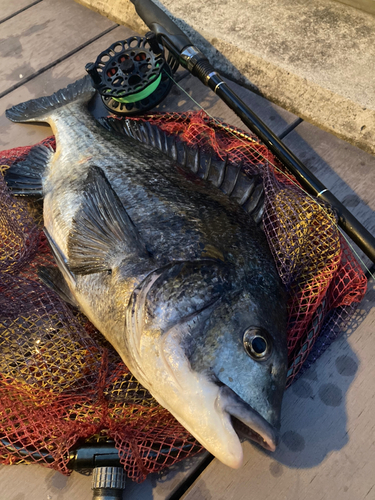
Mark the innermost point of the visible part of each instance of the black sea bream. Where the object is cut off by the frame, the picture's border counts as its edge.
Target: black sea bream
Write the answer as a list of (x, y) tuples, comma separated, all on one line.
[(171, 269)]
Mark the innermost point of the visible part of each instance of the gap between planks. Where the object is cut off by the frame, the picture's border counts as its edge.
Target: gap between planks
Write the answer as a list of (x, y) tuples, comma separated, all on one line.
[(19, 11)]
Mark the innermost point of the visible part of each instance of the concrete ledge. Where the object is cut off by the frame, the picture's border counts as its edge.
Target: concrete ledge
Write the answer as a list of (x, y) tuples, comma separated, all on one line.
[(366, 5), (314, 58)]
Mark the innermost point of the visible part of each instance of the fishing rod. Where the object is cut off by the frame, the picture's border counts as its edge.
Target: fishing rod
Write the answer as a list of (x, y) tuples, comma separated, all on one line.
[(170, 36)]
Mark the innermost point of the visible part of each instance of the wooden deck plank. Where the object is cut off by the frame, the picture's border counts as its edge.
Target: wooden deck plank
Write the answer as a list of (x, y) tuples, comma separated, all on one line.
[(327, 448), (278, 119), (33, 482), (43, 34), (8, 8), (162, 485)]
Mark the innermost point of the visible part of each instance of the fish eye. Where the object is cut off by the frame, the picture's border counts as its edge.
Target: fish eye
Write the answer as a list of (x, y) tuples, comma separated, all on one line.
[(257, 343)]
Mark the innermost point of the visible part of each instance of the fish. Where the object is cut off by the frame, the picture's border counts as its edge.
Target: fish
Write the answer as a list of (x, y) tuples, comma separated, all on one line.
[(161, 247)]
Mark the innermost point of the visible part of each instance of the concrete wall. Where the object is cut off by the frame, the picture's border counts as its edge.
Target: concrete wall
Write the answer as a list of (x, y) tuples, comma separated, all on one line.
[(365, 5)]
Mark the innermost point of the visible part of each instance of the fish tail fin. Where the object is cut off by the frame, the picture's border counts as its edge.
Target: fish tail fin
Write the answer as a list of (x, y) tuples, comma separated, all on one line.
[(38, 110)]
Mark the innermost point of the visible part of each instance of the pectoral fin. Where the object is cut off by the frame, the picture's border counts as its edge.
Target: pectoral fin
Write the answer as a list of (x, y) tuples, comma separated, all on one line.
[(102, 235)]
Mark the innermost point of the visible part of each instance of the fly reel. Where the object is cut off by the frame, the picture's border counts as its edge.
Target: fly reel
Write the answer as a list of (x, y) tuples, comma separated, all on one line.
[(132, 76)]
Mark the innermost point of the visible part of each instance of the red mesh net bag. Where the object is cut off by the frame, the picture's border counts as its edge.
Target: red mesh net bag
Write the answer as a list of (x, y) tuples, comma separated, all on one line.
[(61, 382)]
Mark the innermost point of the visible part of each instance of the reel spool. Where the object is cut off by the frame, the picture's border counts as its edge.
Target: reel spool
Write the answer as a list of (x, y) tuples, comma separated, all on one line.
[(132, 75)]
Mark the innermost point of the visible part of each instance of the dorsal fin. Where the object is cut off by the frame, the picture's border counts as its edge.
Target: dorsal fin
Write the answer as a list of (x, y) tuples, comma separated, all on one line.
[(229, 177)]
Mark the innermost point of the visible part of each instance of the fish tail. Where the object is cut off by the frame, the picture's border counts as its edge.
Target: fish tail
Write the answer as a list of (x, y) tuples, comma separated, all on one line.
[(38, 110)]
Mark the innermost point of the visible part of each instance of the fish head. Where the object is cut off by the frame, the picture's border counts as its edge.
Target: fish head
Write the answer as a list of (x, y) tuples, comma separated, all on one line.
[(212, 350)]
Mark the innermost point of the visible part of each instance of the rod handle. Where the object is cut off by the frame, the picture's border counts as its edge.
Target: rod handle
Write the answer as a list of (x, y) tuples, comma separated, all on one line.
[(161, 24)]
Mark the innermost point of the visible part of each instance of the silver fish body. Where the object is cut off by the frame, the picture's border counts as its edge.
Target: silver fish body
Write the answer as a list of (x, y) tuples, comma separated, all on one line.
[(174, 273)]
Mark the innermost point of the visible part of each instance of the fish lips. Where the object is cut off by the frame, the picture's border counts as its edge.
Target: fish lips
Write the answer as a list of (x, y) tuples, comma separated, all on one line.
[(246, 421)]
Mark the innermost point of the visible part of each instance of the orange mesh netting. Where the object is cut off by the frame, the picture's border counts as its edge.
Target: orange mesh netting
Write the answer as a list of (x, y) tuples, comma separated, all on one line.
[(60, 381)]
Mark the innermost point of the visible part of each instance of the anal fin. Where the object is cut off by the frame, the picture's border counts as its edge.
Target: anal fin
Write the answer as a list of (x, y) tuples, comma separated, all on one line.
[(26, 177)]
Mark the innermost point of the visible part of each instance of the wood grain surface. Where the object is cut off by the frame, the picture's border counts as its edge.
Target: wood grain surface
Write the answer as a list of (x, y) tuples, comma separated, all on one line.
[(42, 35), (10, 8)]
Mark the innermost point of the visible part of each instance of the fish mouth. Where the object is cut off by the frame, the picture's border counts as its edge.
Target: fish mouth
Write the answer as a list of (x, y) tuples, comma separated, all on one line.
[(246, 421), (245, 432)]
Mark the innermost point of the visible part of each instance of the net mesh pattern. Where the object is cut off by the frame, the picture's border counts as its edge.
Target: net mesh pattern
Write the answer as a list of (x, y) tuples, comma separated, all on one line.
[(61, 382)]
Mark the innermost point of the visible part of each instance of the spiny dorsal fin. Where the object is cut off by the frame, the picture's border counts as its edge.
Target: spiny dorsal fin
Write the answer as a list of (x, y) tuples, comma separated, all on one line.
[(39, 109), (221, 173), (102, 234)]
